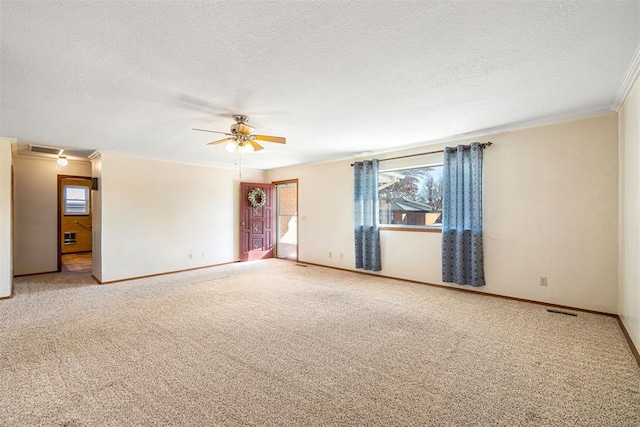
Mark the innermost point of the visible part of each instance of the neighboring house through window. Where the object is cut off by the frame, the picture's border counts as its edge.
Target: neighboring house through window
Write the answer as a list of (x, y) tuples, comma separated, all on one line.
[(411, 196)]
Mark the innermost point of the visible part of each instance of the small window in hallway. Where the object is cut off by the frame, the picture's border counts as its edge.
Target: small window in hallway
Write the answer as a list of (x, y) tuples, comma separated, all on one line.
[(76, 200)]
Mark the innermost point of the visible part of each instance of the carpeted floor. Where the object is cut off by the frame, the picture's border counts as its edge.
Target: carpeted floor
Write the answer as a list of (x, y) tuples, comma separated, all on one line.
[(272, 343)]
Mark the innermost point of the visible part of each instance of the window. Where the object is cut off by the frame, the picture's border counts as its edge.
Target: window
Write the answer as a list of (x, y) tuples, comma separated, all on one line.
[(411, 197), (76, 200)]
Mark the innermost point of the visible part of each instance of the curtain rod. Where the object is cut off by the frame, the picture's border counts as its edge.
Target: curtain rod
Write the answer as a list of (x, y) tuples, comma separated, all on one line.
[(466, 147)]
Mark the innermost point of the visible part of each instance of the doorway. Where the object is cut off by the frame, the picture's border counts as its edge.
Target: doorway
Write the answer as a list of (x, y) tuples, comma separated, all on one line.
[(287, 219), (256, 221), (74, 223)]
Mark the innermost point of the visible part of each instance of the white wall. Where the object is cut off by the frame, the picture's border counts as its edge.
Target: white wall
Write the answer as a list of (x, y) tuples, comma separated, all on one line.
[(550, 210), (6, 274), (155, 213), (629, 230), (96, 217), (36, 211)]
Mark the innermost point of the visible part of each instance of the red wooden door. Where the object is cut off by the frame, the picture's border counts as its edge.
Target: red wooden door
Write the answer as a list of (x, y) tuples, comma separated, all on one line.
[(256, 223)]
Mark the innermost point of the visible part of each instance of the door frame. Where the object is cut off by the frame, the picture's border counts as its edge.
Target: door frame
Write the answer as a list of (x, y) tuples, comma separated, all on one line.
[(277, 214), (60, 178)]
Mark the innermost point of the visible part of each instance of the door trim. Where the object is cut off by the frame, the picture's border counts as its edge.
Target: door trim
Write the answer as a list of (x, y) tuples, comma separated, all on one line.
[(60, 178), (289, 181)]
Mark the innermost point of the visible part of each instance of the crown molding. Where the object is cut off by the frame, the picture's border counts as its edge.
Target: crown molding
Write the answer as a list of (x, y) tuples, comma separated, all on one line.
[(488, 132), (627, 82), (480, 134), (159, 159), (47, 158)]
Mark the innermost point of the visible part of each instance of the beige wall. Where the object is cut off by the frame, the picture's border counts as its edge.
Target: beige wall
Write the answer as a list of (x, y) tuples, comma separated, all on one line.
[(96, 217), (6, 275), (36, 211), (155, 213), (629, 230), (325, 211), (550, 210)]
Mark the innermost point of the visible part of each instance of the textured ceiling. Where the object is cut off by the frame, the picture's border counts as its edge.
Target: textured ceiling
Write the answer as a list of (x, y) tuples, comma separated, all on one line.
[(336, 78)]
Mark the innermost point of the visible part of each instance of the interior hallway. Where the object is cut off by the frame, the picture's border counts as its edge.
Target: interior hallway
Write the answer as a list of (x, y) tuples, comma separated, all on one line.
[(76, 262)]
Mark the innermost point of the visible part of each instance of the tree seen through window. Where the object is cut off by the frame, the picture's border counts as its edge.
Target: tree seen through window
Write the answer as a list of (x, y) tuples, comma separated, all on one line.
[(411, 196)]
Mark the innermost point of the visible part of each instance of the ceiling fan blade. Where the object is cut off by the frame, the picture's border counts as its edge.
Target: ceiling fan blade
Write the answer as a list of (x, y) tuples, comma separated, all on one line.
[(278, 139), (212, 131), (256, 146), (244, 128), (220, 141)]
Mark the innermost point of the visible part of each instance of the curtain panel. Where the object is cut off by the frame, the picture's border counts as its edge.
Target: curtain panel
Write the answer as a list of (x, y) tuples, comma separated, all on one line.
[(462, 254), (366, 212)]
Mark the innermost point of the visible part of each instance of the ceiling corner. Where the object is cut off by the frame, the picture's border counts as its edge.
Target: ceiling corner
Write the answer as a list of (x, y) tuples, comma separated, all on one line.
[(627, 82), (14, 146)]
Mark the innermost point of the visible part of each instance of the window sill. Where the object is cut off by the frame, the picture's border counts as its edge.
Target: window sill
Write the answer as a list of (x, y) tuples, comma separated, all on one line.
[(409, 228)]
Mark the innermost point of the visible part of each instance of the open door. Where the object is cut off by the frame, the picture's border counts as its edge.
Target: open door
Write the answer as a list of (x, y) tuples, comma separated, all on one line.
[(287, 219), (256, 221), (74, 223)]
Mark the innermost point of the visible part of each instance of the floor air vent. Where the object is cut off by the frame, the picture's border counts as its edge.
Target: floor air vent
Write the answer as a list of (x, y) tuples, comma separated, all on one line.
[(301, 265), (45, 150), (566, 313)]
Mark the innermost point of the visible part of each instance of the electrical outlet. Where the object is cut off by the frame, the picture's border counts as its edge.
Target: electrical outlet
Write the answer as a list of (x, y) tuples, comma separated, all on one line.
[(190, 256), (330, 255), (341, 256), (543, 281), (202, 254)]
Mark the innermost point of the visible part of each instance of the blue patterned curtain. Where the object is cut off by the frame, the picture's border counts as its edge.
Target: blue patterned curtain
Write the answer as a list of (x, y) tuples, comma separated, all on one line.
[(366, 211), (462, 260)]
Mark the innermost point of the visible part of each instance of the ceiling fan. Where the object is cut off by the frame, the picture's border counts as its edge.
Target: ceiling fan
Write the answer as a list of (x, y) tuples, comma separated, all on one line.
[(241, 137)]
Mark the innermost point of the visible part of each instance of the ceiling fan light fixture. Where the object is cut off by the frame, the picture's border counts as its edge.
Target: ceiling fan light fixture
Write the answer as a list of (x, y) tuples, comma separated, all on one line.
[(231, 146), (245, 148), (241, 138), (62, 161)]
